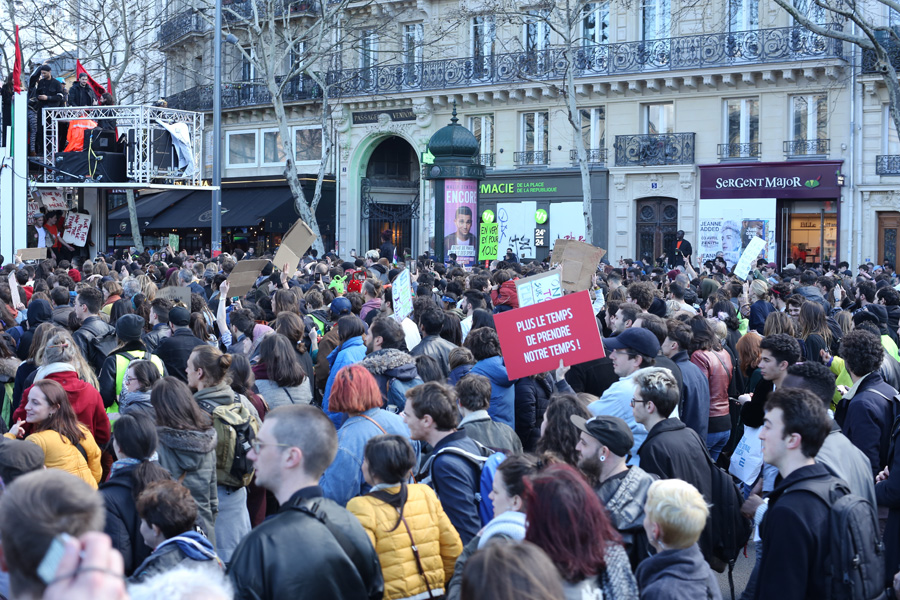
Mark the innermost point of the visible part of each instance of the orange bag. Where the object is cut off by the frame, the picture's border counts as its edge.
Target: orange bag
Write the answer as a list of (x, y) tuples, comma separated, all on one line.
[(75, 137)]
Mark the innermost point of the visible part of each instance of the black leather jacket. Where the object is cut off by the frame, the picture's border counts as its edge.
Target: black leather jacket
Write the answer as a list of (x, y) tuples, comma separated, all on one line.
[(91, 328), (294, 554)]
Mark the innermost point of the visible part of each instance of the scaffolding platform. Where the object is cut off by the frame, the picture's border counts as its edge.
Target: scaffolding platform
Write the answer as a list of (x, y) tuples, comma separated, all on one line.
[(150, 155)]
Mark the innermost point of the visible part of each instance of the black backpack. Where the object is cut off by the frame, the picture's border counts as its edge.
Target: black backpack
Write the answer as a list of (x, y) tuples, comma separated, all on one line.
[(105, 345), (730, 529), (854, 568)]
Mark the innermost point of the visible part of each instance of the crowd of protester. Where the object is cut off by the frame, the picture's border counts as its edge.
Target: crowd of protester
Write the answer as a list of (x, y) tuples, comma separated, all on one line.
[(305, 441)]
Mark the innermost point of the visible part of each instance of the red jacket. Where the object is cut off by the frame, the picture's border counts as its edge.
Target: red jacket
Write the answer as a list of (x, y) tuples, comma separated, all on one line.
[(85, 400), (506, 295)]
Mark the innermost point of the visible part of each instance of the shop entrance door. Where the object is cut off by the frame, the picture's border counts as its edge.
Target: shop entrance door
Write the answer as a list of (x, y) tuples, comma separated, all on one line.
[(888, 224), (657, 222)]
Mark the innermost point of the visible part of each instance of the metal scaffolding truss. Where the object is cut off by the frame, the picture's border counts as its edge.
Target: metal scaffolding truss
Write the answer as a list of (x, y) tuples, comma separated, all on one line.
[(142, 126)]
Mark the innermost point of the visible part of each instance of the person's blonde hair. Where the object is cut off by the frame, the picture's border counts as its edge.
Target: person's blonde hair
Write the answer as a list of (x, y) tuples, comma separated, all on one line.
[(719, 328), (759, 290), (61, 347), (679, 510)]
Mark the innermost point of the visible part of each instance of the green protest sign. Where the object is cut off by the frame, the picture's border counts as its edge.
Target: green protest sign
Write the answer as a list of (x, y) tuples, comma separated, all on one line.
[(488, 241)]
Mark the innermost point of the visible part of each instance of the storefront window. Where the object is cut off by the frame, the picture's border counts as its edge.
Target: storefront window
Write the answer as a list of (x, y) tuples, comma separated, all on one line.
[(812, 232)]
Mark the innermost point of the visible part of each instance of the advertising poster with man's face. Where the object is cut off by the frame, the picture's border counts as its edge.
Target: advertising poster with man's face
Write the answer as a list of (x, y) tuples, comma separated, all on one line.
[(460, 210), (726, 232)]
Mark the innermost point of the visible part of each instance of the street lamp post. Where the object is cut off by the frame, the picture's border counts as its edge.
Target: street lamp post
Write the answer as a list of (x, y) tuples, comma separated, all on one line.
[(216, 221)]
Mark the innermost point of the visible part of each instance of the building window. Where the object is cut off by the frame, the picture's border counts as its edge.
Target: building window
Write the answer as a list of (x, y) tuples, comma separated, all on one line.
[(743, 15), (295, 58), (482, 36), (412, 43), (248, 69), (593, 128), (659, 118), (535, 132), (809, 117), (368, 49), (483, 33), (537, 31), (240, 147), (308, 144), (811, 9), (741, 127), (595, 23), (272, 151), (483, 128), (655, 19)]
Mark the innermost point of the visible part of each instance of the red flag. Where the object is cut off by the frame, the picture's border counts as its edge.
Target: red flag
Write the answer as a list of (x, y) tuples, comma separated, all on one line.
[(99, 90), (17, 67)]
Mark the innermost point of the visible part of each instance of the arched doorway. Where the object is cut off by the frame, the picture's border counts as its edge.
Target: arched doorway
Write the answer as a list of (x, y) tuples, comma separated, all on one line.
[(657, 222), (390, 195)]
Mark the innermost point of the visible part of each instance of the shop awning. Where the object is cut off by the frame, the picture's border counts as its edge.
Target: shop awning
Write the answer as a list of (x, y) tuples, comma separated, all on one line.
[(147, 208), (241, 207)]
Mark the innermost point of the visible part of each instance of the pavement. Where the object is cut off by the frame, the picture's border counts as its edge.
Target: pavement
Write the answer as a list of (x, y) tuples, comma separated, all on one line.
[(742, 569)]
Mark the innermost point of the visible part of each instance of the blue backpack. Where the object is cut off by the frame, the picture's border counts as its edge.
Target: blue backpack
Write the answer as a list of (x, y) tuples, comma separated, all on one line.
[(396, 393), (486, 461)]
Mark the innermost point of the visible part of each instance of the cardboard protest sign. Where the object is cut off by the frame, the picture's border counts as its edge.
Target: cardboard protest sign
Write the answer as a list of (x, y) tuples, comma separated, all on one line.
[(402, 296), (27, 254), (244, 275), (76, 228), (539, 288), (173, 241), (489, 241), (748, 258), (579, 262), (535, 338), (175, 294), (54, 200), (294, 245)]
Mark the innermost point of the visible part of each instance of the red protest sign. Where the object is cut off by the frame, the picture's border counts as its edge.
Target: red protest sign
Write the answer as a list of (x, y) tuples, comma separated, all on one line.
[(536, 337)]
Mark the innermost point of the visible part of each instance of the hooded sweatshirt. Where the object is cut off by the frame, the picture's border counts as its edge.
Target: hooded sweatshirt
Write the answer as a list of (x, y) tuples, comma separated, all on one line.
[(39, 311), (677, 575), (503, 392), (84, 398)]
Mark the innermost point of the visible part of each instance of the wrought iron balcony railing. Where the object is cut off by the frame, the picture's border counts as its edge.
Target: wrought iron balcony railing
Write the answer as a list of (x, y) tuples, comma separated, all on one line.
[(750, 150), (239, 94), (762, 46), (527, 159), (815, 147), (180, 26), (242, 10), (486, 160), (887, 164), (595, 156), (651, 149), (870, 64)]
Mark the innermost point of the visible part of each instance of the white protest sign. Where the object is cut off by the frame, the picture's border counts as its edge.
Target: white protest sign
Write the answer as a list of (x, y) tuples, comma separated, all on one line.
[(539, 288), (77, 226), (747, 459), (748, 258), (402, 296), (54, 200)]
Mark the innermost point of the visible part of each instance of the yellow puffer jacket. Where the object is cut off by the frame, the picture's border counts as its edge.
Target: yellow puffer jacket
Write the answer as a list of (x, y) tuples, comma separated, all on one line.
[(59, 453), (438, 543)]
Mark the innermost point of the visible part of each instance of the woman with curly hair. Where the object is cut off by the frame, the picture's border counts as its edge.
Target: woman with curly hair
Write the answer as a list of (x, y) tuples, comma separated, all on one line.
[(567, 521), (558, 435)]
